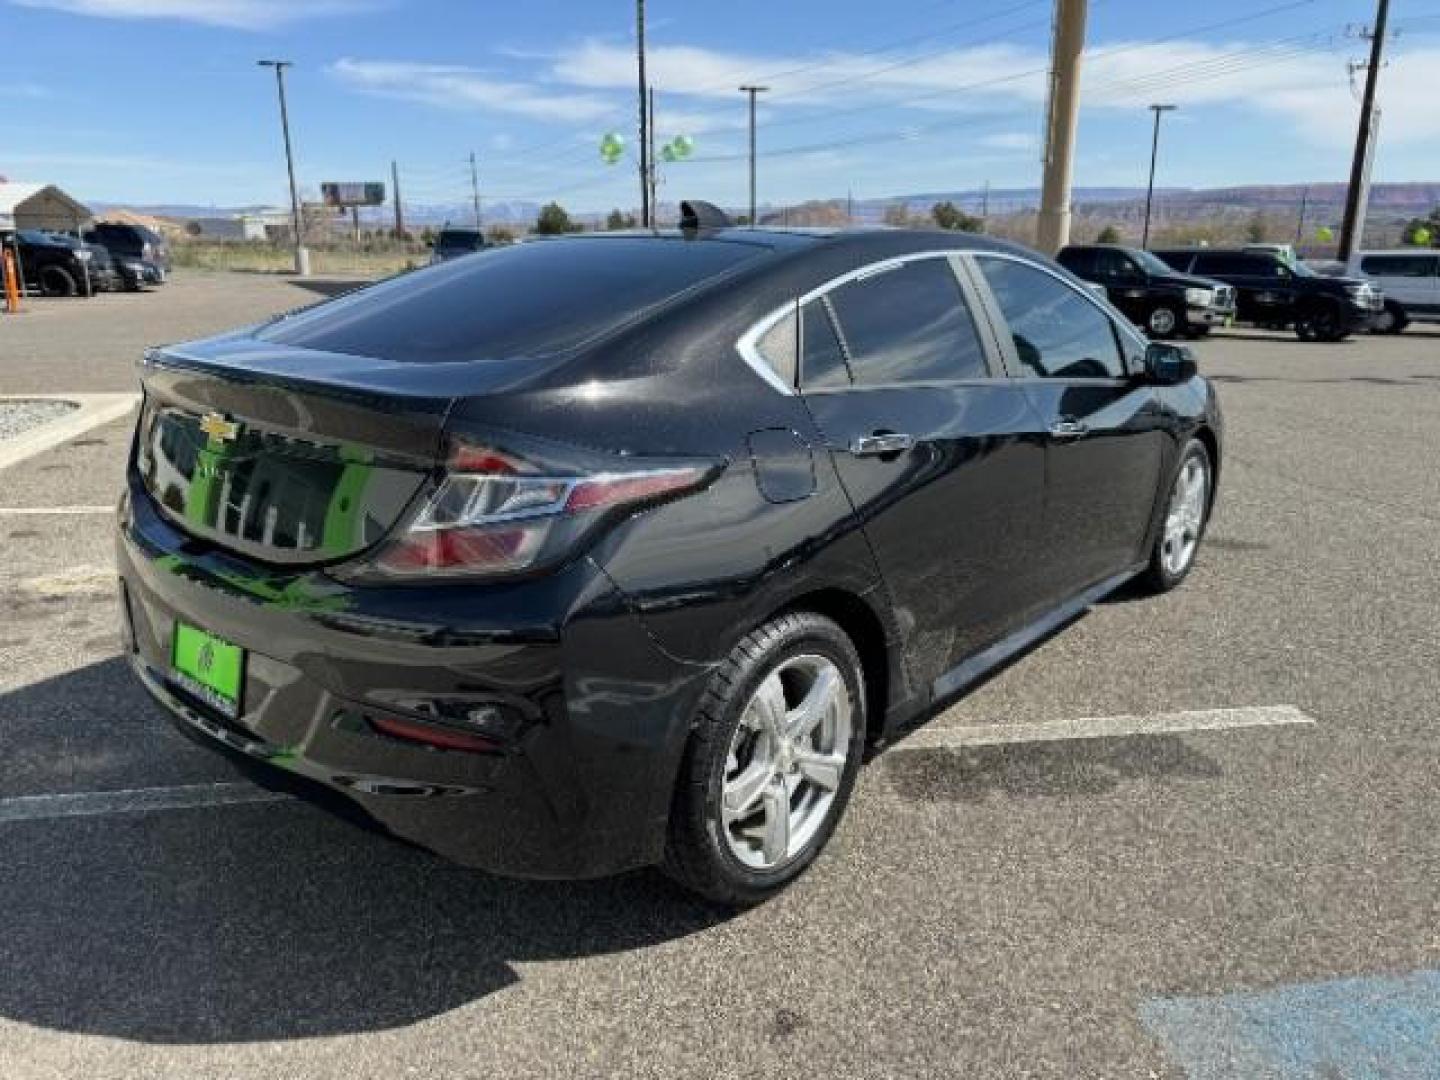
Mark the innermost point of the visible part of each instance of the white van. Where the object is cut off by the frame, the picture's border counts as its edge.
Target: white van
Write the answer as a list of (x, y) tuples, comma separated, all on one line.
[(1410, 280)]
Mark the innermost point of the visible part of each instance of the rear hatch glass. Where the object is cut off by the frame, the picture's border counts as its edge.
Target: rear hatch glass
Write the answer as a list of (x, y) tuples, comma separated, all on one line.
[(533, 299)]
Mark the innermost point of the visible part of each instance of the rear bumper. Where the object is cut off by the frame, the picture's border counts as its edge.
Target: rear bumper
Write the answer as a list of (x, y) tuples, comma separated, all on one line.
[(597, 716)]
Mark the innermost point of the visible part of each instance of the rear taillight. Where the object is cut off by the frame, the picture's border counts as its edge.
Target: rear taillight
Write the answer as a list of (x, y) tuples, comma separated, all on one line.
[(495, 513)]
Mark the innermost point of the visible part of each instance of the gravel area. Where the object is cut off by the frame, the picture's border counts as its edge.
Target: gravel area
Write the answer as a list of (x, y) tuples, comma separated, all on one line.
[(19, 416)]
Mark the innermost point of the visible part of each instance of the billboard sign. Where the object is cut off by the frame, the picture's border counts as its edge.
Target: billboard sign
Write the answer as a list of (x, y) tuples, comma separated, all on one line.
[(344, 195)]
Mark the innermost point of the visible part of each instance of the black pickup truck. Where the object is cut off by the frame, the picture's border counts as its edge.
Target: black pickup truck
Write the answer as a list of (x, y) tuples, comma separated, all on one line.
[(1152, 295), (1274, 293)]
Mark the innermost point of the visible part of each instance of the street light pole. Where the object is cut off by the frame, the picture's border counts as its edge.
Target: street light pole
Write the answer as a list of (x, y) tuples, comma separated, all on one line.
[(302, 257), (1158, 110), (752, 91)]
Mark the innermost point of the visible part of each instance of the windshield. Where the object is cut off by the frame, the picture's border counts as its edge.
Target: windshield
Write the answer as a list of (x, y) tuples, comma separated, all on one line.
[(1152, 264), (533, 300)]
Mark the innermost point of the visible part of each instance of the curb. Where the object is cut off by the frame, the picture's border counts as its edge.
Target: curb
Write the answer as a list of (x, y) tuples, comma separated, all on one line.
[(94, 410)]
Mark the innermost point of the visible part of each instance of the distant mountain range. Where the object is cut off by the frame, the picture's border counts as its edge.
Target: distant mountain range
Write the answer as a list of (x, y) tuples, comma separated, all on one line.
[(1324, 202)]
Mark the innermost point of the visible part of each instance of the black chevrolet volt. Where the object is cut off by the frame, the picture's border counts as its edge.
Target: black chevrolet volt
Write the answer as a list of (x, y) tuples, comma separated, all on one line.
[(612, 551)]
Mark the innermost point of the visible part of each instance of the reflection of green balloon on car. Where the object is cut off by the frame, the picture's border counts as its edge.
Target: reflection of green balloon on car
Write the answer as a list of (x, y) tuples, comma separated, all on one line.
[(1324, 234)]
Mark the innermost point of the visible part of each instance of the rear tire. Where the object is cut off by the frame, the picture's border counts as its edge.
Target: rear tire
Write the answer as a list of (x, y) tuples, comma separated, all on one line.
[(1187, 513), (56, 281), (760, 792)]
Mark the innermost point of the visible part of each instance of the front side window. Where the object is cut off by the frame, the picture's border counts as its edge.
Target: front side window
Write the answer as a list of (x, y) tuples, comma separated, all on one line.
[(908, 324), (1115, 264), (1058, 333), (822, 362)]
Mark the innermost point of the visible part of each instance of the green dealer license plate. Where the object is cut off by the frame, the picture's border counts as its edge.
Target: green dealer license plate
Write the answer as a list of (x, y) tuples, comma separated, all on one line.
[(209, 667)]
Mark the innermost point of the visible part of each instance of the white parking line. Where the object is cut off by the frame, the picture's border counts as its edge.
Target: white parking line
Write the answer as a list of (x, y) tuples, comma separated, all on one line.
[(94, 410), (131, 801), (48, 511), (1104, 727)]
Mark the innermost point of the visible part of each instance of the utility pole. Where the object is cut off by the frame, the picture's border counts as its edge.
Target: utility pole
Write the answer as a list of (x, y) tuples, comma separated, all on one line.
[(399, 211), (650, 154), (1300, 221), (1355, 196), (985, 203), (1159, 111), (645, 216), (752, 91), (302, 257), (475, 190), (1062, 118)]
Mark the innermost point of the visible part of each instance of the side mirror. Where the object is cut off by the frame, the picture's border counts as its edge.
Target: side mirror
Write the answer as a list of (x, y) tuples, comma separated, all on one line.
[(1168, 365)]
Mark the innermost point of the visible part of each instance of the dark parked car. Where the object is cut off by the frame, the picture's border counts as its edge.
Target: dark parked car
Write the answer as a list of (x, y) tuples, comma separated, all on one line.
[(600, 552), (54, 265), (142, 256), (1152, 295), (1275, 293), (100, 268), (452, 243)]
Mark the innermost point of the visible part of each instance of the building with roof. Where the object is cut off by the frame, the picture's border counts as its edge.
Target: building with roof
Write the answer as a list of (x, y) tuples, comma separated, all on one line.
[(39, 206)]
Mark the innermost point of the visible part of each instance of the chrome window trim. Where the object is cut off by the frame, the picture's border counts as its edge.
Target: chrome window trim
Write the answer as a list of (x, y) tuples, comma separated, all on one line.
[(748, 344)]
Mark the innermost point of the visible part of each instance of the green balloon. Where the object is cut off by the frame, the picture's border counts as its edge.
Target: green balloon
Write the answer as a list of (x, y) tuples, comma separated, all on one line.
[(1324, 234), (1421, 237), (611, 146), (684, 146), (668, 152)]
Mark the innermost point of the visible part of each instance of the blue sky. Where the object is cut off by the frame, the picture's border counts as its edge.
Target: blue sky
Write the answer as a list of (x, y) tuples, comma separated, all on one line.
[(151, 101)]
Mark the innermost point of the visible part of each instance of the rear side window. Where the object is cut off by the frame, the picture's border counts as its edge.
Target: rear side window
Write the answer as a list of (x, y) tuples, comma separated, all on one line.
[(1077, 260), (779, 346), (528, 300), (908, 324), (1058, 333), (1420, 266), (1242, 265)]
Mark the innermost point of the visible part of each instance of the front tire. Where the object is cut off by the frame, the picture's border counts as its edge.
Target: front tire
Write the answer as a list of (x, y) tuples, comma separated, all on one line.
[(1186, 515), (1164, 322), (1392, 320), (56, 281), (776, 745)]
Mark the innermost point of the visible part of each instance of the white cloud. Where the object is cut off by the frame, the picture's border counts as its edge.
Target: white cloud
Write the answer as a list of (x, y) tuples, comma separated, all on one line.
[(237, 14), (1017, 141), (1303, 86), (455, 87)]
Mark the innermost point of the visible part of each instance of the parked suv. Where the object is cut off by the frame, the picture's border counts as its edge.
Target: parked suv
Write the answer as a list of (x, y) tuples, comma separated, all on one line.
[(1151, 294), (100, 269), (594, 552), (1274, 293), (1410, 280), (142, 256), (55, 266), (452, 243)]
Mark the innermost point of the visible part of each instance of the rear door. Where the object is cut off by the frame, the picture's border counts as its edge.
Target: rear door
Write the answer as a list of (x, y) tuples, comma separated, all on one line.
[(1105, 432), (940, 454), (1409, 279)]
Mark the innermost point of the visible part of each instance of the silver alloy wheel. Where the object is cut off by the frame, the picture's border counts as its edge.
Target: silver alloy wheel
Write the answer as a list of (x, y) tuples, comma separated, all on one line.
[(1185, 517), (786, 761), (1162, 321)]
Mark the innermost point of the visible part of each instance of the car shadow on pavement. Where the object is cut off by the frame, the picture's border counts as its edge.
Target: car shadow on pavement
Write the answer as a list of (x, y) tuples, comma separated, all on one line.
[(271, 921), (1041, 769)]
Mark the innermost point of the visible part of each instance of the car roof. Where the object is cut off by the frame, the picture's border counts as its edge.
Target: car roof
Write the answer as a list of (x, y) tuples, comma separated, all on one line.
[(879, 242)]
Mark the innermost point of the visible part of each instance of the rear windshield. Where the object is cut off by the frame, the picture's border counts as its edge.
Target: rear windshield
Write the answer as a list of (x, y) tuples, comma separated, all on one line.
[(533, 299)]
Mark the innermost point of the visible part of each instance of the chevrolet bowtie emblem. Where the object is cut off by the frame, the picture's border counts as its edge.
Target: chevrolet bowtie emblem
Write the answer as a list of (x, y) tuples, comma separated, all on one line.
[(218, 427)]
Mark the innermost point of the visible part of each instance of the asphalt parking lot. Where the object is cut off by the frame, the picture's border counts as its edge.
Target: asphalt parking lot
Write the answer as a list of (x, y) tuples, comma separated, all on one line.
[(1248, 902)]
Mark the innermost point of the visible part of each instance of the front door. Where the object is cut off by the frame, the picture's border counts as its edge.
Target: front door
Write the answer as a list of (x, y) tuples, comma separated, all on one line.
[(940, 454), (1106, 433)]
